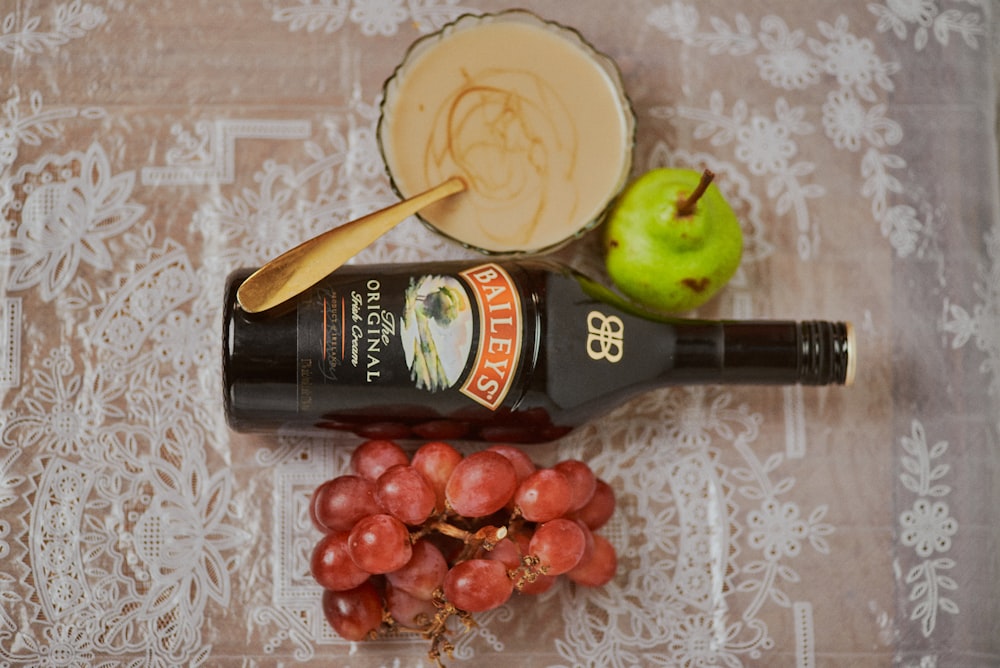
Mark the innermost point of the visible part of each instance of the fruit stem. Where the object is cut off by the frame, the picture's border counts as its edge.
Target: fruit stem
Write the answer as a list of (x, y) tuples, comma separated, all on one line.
[(486, 537), (527, 572), (686, 207), (446, 529), (437, 630)]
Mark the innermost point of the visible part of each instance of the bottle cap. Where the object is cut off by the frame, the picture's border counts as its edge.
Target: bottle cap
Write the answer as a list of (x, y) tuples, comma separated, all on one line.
[(852, 354)]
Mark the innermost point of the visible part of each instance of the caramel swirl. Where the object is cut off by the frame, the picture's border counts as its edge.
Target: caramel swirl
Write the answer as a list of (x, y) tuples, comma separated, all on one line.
[(513, 139)]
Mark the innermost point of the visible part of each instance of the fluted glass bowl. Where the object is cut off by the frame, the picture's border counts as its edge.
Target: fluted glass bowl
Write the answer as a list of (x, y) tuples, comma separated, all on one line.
[(527, 112)]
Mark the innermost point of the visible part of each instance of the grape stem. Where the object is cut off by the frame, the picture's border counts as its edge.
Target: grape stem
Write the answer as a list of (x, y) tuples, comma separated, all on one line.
[(437, 630), (687, 206), (487, 537), (527, 572)]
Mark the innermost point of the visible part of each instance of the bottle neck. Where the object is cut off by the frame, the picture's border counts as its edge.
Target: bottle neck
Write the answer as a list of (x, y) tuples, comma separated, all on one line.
[(765, 352)]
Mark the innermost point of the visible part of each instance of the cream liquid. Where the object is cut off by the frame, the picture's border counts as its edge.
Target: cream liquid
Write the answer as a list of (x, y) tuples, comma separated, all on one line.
[(537, 128)]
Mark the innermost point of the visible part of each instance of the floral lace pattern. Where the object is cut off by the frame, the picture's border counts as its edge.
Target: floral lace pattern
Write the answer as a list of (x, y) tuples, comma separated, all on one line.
[(23, 33), (372, 17), (755, 526), (928, 528)]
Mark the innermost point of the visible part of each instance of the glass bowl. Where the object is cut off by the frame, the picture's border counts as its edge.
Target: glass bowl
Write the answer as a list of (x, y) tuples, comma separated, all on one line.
[(532, 117)]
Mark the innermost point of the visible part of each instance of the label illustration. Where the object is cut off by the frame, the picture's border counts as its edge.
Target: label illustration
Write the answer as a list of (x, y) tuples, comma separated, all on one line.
[(436, 331)]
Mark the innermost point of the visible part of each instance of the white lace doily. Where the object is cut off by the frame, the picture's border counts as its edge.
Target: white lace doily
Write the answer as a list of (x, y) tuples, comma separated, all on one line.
[(147, 149)]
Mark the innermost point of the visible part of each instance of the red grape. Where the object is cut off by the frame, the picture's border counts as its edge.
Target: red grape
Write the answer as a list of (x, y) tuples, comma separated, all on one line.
[(508, 433), (383, 431), (481, 484), (510, 551), (404, 493), (331, 564), (438, 429), (506, 552), (435, 461), (380, 544), (523, 538), (354, 614), (544, 495), (407, 609), (523, 466), (600, 508), (559, 545), (339, 503), (313, 499), (599, 568), (372, 458), (423, 573), (581, 479), (588, 542), (477, 585)]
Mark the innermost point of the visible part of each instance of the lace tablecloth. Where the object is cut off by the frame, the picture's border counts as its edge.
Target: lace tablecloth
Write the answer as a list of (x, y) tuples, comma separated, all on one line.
[(146, 149)]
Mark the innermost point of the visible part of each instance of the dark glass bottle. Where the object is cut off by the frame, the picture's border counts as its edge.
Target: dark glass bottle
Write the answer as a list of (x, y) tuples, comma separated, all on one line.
[(514, 351)]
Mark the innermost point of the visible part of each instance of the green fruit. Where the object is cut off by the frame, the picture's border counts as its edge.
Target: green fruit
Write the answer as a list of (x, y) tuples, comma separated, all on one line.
[(672, 241)]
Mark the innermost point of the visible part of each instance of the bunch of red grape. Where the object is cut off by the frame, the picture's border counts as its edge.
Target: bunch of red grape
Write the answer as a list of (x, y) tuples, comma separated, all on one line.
[(411, 542)]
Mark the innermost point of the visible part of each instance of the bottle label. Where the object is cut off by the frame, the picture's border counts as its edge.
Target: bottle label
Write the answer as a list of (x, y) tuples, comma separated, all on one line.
[(499, 344), (432, 332)]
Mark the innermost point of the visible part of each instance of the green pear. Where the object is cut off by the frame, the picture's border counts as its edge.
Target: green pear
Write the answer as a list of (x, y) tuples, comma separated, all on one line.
[(672, 241)]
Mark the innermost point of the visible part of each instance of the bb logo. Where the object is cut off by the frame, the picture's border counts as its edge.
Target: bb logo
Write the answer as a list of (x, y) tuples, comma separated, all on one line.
[(605, 337)]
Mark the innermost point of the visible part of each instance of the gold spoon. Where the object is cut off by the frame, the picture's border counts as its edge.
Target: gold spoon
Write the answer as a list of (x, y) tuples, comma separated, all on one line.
[(297, 270)]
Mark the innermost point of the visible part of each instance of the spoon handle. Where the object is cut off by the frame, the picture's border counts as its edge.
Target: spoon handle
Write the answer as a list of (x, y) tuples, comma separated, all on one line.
[(302, 267)]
